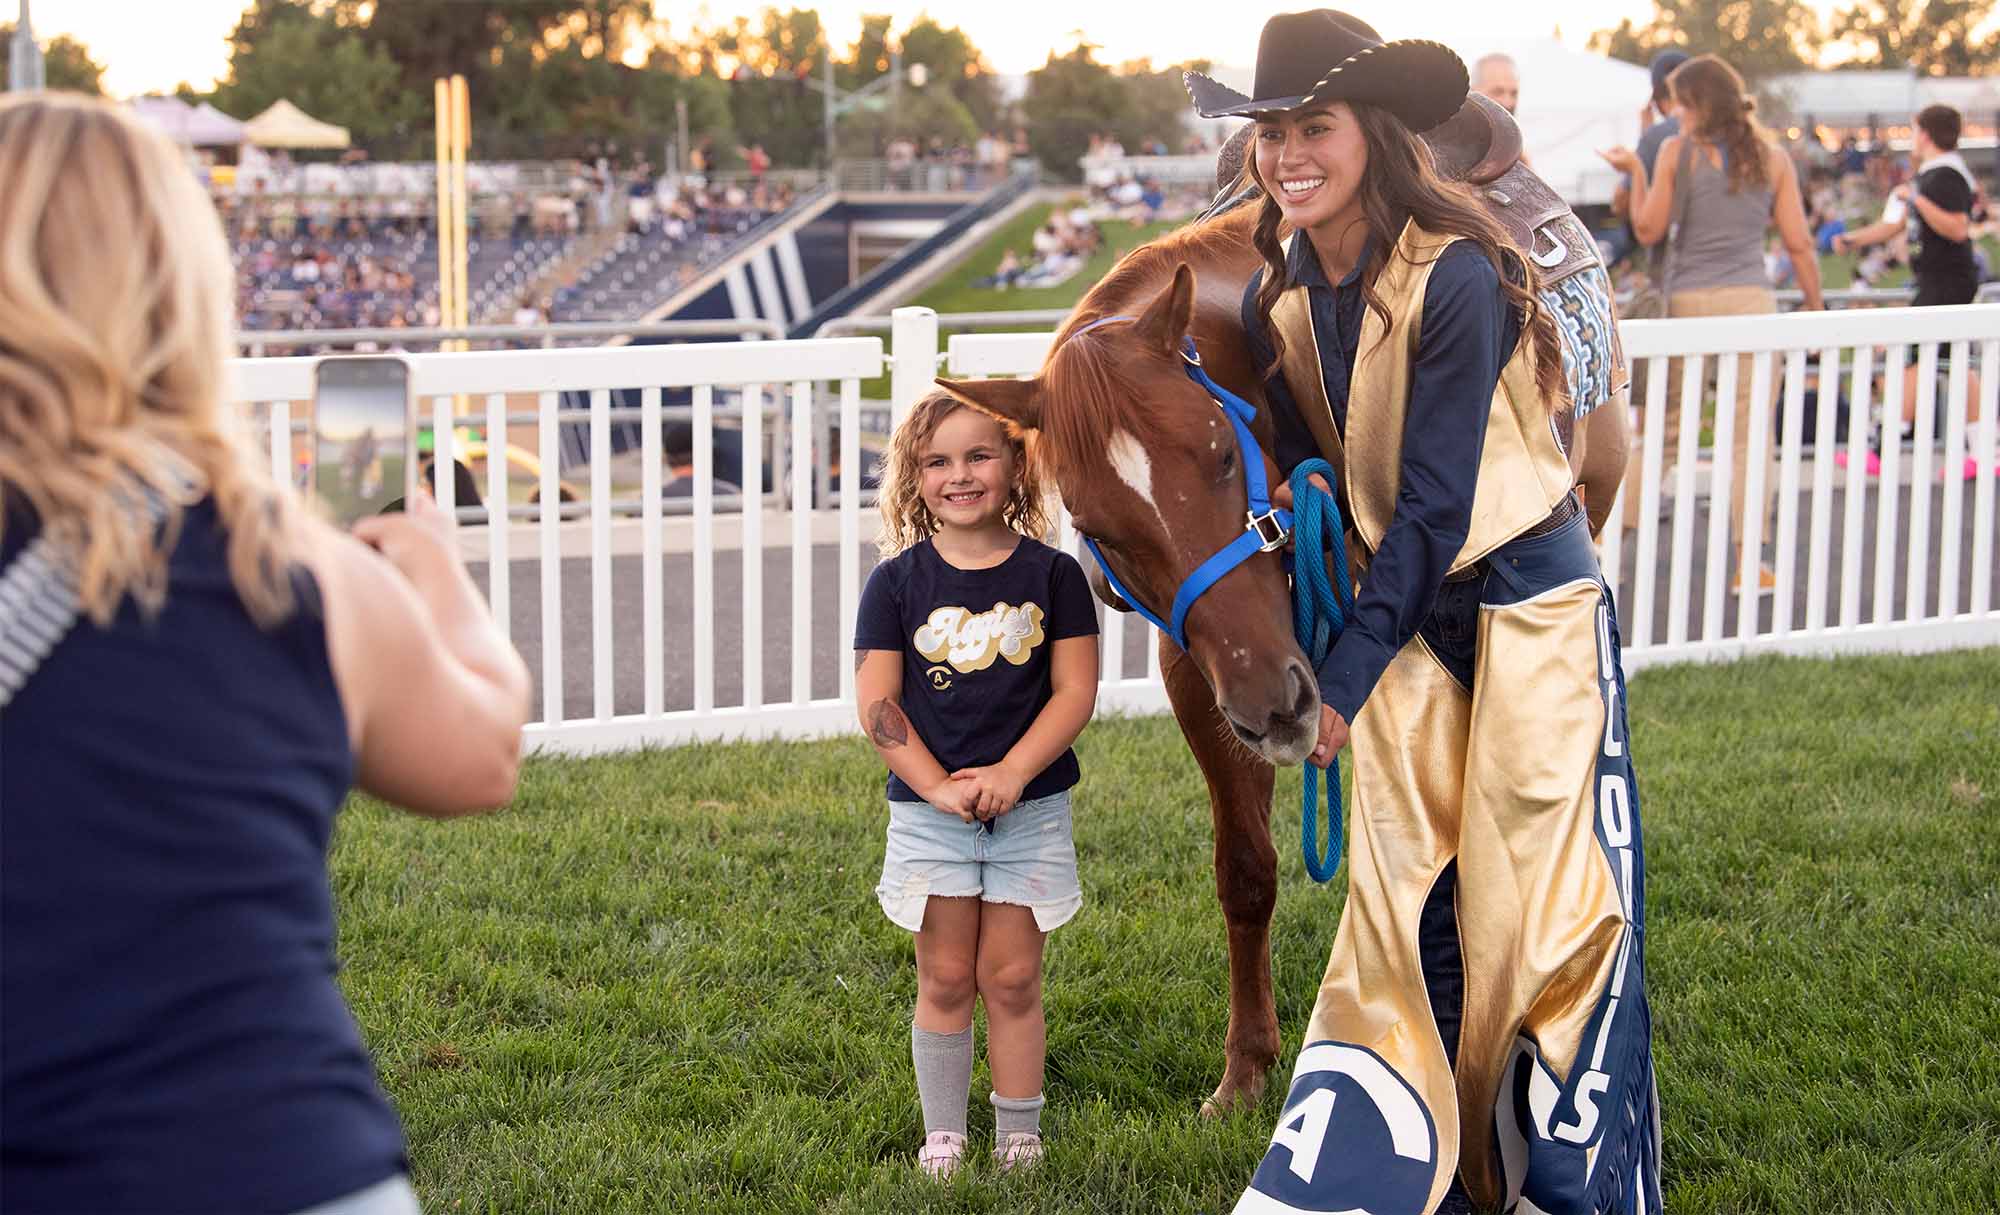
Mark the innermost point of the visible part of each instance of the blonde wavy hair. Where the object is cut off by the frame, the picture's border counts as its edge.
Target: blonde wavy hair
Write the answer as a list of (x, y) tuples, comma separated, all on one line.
[(115, 315), (907, 521)]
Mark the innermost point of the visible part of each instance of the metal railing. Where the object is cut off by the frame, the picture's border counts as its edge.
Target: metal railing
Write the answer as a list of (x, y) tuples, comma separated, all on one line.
[(860, 175), (258, 344)]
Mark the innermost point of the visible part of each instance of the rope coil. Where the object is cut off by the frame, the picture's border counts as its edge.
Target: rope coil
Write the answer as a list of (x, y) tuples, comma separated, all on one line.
[(1321, 605)]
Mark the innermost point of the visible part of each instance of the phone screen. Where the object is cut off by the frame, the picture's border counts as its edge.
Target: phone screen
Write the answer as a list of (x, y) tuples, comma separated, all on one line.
[(362, 435)]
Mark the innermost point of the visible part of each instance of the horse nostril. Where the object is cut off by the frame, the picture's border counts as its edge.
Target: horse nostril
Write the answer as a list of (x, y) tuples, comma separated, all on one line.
[(1244, 732), (1305, 691)]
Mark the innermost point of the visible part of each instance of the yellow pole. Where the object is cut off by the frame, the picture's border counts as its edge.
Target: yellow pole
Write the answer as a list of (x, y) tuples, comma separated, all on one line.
[(461, 114), (441, 93)]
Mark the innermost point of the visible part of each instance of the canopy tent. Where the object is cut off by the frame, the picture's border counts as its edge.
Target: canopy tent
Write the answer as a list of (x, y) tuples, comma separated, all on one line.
[(201, 126), (285, 125), (213, 128), (1881, 103), (1572, 103)]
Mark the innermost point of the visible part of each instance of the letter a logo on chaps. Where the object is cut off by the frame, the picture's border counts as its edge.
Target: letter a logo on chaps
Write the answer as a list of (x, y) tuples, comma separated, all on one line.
[(1354, 1138)]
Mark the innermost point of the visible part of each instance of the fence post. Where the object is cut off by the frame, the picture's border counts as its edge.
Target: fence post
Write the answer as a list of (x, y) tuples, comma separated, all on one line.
[(913, 359)]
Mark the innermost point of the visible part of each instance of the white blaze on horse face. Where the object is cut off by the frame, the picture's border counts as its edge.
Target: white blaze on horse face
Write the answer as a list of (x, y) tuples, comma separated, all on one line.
[(1134, 467)]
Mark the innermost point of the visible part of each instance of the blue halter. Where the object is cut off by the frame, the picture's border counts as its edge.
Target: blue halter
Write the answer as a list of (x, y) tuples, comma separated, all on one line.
[(1323, 602), (1266, 529)]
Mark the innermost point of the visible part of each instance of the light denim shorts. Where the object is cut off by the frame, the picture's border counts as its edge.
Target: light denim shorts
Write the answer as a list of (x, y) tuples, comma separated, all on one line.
[(1028, 858)]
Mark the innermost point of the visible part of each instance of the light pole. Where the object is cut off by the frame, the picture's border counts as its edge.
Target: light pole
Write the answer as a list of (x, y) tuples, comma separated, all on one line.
[(24, 58), (840, 101)]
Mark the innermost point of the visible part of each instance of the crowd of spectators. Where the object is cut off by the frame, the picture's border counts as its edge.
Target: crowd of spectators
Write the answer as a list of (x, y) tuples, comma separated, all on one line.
[(940, 166), (1058, 249), (378, 273), (331, 261), (1853, 190)]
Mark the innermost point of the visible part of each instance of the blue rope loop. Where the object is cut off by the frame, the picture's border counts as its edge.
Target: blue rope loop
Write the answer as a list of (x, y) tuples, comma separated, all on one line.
[(1321, 605)]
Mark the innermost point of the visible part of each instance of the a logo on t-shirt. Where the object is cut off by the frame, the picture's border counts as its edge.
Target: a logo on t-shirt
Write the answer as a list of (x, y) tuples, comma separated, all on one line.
[(970, 641)]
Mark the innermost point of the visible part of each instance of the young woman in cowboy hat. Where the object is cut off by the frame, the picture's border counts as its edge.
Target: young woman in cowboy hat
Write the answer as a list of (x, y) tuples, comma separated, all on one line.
[(1484, 1010)]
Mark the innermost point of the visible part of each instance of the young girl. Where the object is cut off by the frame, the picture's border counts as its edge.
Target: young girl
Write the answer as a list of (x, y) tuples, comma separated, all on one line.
[(976, 654)]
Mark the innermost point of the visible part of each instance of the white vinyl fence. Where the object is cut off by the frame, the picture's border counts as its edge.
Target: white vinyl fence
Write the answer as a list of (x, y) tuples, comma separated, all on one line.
[(655, 620)]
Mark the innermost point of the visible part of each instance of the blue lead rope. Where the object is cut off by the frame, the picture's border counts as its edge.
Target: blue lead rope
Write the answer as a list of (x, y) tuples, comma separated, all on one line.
[(1320, 608)]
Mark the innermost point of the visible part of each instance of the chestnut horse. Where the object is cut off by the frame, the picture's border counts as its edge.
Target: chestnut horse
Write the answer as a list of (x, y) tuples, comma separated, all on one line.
[(1149, 467)]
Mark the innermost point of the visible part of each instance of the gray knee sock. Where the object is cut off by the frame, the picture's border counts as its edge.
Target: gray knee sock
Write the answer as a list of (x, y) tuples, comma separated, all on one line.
[(944, 1076), (1012, 1114)]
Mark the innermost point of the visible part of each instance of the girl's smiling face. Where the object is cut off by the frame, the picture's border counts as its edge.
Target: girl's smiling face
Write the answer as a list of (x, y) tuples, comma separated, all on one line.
[(1311, 162), (968, 469)]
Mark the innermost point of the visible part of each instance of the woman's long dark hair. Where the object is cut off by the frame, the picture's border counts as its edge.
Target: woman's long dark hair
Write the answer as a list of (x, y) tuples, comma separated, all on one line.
[(1718, 109), (1402, 183)]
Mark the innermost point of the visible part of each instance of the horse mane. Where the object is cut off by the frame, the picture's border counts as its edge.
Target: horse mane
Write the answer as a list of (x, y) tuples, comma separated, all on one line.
[(1097, 399)]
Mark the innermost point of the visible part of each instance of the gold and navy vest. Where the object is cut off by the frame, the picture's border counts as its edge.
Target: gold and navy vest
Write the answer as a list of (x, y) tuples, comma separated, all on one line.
[(1523, 471)]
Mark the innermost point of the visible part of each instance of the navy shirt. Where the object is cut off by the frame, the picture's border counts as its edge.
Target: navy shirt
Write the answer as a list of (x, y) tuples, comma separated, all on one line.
[(975, 646), (173, 1038), (1468, 334)]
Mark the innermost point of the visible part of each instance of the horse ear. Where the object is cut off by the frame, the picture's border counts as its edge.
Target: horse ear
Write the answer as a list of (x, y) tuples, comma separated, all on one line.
[(1171, 313), (1016, 401)]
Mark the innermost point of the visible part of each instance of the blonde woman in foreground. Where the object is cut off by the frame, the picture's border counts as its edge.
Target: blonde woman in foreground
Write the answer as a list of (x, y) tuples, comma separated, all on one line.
[(174, 1039)]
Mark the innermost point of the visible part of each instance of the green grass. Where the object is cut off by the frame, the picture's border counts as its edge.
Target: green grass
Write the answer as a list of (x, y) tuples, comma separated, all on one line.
[(955, 293), (660, 981)]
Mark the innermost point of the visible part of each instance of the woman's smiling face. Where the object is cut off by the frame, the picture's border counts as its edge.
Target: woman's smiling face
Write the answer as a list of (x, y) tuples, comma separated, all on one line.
[(1311, 162)]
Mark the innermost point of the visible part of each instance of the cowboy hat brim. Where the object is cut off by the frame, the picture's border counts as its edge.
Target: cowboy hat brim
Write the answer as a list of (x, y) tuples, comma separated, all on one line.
[(1421, 82)]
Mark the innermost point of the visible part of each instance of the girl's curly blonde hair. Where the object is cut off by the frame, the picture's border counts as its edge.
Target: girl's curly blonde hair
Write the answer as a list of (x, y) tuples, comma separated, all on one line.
[(905, 518)]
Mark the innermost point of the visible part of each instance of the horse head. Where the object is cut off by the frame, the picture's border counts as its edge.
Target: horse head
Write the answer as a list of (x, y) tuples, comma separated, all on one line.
[(1151, 470)]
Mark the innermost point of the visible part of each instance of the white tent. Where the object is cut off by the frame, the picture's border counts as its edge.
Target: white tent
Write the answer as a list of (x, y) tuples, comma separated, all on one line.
[(1572, 104), (200, 126), (1853, 101), (285, 125), (211, 128), (170, 115)]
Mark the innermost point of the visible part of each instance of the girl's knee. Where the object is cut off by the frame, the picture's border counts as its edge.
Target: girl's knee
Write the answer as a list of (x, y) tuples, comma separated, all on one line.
[(947, 983), (1013, 985)]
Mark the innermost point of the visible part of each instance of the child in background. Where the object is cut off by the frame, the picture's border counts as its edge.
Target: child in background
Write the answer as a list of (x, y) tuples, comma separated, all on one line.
[(976, 660)]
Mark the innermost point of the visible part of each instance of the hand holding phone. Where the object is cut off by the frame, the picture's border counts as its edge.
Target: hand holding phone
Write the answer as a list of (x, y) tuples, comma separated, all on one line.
[(364, 435), (420, 541)]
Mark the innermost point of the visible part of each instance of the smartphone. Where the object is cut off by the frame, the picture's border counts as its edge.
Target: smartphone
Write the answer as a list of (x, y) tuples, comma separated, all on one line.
[(364, 435)]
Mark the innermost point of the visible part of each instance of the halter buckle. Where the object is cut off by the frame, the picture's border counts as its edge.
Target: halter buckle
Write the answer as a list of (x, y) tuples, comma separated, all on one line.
[(1272, 535)]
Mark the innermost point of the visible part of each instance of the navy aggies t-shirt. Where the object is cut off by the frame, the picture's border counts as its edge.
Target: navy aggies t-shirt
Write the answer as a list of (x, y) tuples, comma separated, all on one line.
[(975, 646)]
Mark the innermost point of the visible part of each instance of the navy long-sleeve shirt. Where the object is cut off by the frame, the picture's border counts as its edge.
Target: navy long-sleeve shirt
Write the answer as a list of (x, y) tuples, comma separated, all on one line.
[(1469, 332)]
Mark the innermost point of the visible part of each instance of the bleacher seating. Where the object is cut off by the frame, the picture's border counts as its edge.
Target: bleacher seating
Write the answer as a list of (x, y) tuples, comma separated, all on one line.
[(377, 274), (665, 247)]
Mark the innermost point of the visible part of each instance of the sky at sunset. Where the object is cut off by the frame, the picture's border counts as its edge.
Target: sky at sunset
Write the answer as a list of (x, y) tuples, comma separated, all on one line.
[(151, 45)]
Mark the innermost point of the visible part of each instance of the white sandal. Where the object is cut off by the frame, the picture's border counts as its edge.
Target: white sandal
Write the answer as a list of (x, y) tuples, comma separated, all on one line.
[(1019, 1150), (942, 1153)]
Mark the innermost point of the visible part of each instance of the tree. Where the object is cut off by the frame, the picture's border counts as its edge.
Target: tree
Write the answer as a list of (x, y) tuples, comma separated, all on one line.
[(284, 50), (1070, 98), (1935, 37), (770, 103), (953, 62), (66, 63), (1756, 37), (1158, 104)]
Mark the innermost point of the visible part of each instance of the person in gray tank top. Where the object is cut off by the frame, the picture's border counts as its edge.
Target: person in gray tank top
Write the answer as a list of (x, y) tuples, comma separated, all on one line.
[(1718, 188)]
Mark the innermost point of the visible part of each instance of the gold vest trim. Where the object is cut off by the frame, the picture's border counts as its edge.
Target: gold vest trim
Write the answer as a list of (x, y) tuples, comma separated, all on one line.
[(1523, 471)]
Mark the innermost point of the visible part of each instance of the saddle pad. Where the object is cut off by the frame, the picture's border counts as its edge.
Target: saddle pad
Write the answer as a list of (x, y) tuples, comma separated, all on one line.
[(1581, 305)]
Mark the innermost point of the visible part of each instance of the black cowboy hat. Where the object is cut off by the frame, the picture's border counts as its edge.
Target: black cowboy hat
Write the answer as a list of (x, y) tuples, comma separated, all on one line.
[(1323, 55)]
